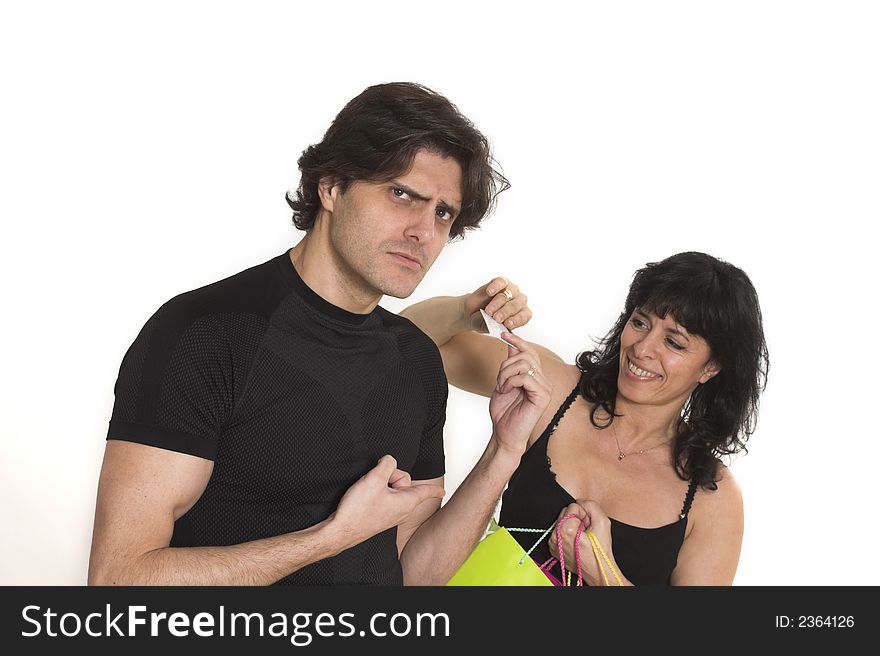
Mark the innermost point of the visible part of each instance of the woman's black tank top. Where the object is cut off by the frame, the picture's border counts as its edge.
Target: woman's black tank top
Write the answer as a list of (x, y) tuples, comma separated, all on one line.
[(533, 499)]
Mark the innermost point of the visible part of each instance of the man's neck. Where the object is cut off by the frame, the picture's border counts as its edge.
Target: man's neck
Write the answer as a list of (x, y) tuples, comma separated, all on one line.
[(330, 278)]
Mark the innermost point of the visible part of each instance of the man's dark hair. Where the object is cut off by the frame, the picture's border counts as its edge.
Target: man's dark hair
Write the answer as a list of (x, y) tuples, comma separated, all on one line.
[(715, 300), (376, 137)]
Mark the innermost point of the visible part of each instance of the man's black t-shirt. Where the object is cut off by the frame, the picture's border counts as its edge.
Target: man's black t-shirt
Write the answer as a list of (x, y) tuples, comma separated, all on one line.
[(293, 399)]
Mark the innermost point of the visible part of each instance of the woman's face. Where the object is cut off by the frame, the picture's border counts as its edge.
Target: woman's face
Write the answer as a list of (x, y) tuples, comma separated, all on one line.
[(660, 362)]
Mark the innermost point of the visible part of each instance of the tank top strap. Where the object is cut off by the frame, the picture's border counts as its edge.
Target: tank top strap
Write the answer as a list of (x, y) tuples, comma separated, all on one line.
[(688, 500), (562, 410)]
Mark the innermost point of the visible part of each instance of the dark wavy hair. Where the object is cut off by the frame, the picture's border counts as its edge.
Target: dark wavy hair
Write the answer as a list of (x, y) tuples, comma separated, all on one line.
[(376, 137), (715, 300)]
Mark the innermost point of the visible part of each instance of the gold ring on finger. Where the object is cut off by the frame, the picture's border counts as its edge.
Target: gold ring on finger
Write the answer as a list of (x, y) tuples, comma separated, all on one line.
[(532, 371), (507, 294)]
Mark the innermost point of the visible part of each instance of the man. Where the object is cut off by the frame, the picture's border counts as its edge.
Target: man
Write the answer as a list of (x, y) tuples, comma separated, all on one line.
[(279, 426)]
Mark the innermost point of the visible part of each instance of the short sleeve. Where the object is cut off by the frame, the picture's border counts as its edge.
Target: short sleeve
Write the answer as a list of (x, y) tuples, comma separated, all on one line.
[(431, 461), (173, 389)]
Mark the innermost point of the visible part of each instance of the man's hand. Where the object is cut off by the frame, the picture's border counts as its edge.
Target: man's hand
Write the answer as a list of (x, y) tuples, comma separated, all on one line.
[(511, 311), (521, 396), (380, 499)]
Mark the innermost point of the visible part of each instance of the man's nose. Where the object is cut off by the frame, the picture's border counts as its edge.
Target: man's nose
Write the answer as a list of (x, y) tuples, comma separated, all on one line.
[(421, 227)]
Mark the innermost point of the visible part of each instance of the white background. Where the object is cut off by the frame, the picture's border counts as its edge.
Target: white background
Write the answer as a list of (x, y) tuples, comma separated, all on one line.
[(146, 151)]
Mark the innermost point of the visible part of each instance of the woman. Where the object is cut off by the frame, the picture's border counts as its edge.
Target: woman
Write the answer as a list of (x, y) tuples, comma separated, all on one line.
[(631, 438)]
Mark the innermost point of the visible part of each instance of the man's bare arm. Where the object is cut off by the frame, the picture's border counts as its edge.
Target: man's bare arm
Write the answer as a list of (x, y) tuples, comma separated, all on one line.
[(143, 490), (442, 541)]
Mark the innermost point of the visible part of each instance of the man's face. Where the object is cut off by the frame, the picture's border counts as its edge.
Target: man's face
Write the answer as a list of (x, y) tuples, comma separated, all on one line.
[(386, 235)]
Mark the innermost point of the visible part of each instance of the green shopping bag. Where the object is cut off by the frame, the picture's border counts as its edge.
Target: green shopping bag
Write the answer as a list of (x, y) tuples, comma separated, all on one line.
[(498, 559)]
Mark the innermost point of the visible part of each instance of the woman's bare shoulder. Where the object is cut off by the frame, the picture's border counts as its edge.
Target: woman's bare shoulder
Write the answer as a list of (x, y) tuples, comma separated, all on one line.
[(563, 377), (722, 505)]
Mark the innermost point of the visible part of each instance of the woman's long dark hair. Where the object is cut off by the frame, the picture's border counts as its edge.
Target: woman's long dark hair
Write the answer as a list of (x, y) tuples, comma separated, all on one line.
[(715, 300)]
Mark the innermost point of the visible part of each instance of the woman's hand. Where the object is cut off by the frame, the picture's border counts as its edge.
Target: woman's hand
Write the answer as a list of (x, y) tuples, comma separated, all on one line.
[(512, 312), (595, 519), (521, 395)]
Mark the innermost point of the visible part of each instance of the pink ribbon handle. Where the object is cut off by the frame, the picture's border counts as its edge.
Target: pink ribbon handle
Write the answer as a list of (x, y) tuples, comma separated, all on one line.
[(548, 565)]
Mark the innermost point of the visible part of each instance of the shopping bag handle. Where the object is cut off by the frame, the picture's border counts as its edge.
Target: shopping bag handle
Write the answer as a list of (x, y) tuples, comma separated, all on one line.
[(542, 531), (551, 562), (577, 546)]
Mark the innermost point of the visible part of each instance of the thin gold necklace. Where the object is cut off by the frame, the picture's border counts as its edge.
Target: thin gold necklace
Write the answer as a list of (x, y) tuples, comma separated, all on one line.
[(621, 455)]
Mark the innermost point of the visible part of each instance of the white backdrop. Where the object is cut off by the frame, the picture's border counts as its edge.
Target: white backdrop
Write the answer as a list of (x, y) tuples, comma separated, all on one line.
[(145, 151)]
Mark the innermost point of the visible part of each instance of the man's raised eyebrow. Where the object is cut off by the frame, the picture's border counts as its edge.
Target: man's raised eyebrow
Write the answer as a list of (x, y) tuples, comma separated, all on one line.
[(452, 209)]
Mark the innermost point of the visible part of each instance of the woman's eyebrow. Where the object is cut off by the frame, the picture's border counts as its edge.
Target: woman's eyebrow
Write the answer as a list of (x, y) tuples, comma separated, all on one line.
[(680, 333)]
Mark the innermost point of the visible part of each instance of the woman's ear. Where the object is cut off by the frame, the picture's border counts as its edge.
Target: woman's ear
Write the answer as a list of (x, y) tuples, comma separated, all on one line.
[(710, 371)]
